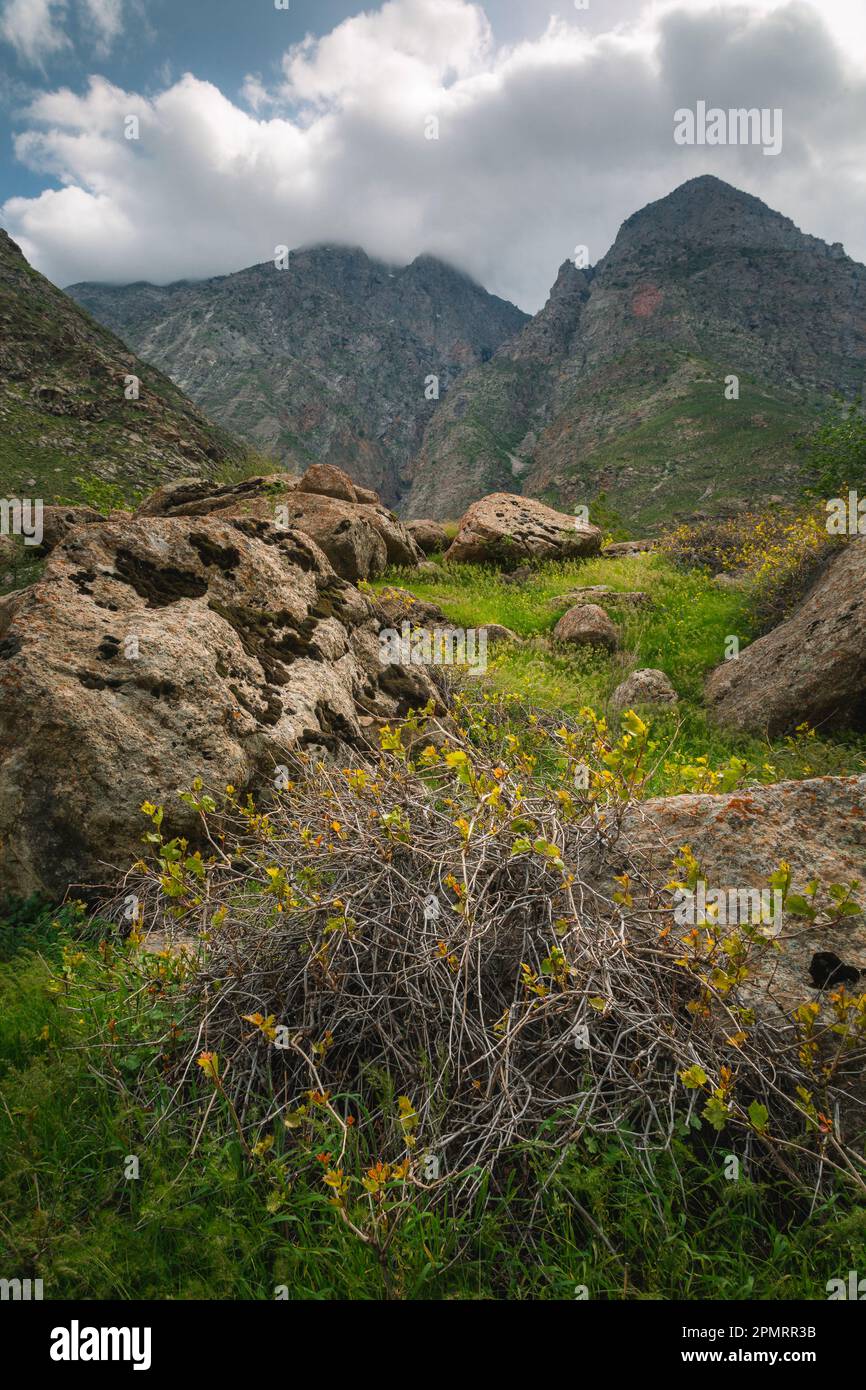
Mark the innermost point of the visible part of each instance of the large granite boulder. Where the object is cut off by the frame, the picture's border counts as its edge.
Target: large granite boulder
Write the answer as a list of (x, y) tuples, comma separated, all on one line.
[(738, 839), (346, 533), (329, 481), (505, 529), (359, 539), (811, 668), (156, 650), (337, 527)]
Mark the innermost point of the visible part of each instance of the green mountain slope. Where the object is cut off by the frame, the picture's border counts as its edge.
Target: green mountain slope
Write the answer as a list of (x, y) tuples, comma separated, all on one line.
[(618, 384), (64, 416)]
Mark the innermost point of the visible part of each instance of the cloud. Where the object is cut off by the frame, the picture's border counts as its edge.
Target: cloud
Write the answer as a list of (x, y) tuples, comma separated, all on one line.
[(36, 29), (544, 144), (106, 18)]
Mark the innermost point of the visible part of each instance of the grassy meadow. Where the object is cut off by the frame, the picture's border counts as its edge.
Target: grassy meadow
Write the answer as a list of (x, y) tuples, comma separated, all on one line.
[(212, 1210)]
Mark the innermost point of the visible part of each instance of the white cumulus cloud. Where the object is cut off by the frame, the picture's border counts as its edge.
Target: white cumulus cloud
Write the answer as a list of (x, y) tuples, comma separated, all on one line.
[(544, 144)]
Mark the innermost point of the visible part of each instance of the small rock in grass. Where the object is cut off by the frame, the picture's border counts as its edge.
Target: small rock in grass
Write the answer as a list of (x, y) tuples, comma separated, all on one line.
[(617, 548), (647, 687), (587, 625), (497, 632), (429, 535)]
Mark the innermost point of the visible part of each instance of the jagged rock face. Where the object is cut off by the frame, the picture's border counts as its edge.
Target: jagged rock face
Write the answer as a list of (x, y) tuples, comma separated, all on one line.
[(324, 361), (617, 385), (505, 529), (157, 650), (63, 410), (810, 668), (359, 539)]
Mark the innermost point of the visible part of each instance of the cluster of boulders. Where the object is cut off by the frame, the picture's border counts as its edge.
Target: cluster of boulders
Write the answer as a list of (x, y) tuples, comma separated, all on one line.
[(219, 627), (207, 635), (360, 537)]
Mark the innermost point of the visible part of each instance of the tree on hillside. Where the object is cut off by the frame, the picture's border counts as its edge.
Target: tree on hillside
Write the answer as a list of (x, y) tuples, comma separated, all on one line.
[(836, 451)]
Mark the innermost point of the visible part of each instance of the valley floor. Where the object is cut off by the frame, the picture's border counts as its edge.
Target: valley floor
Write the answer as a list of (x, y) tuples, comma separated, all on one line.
[(200, 1214)]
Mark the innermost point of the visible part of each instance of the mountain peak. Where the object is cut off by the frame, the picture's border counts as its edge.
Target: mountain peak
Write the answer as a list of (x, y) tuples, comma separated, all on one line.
[(332, 358), (703, 207), (617, 384)]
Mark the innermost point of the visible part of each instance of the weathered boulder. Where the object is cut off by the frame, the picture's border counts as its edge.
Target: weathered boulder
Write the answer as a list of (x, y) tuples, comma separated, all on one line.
[(505, 529), (360, 540), (402, 551), (400, 605), (57, 521), (818, 826), (348, 534), (330, 481), (155, 651), (811, 668), (587, 625), (366, 494), (617, 548), (602, 594), (429, 535), (199, 497), (498, 632), (646, 687), (342, 530)]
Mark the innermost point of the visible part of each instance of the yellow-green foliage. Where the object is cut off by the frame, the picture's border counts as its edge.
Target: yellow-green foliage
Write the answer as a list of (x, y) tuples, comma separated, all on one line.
[(775, 552), (682, 633)]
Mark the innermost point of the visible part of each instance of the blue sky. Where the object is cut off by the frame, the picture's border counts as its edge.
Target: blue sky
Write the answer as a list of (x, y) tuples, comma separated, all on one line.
[(261, 126), (220, 40)]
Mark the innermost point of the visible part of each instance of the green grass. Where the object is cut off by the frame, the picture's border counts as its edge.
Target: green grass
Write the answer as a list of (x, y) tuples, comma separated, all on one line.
[(698, 451), (205, 1225), (204, 1221), (682, 634)]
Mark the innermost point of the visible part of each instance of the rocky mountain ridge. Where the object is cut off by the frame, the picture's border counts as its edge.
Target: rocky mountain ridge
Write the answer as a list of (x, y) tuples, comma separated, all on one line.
[(618, 384), (329, 359)]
